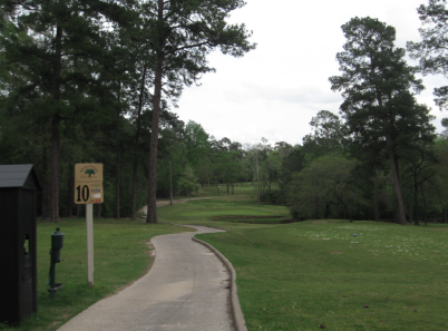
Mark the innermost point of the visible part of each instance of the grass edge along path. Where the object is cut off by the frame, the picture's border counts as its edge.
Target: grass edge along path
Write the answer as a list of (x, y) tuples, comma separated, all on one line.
[(122, 255)]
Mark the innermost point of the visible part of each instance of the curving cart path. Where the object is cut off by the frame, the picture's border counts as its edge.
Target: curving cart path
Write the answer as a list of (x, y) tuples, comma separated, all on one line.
[(187, 289)]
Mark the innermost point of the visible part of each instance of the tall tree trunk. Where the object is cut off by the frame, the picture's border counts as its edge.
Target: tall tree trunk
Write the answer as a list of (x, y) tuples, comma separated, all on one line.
[(55, 128), (54, 172), (417, 222), (327, 211), (171, 182), (137, 138), (134, 190), (117, 184), (396, 182), (70, 193), (46, 186), (425, 216), (348, 213), (98, 210), (376, 199), (151, 216), (117, 160)]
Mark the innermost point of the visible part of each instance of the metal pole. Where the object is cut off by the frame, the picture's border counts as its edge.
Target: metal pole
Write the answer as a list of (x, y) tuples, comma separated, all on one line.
[(89, 223)]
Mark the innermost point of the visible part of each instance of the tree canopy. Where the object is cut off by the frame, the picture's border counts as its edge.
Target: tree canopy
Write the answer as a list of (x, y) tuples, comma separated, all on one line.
[(380, 110), (432, 51)]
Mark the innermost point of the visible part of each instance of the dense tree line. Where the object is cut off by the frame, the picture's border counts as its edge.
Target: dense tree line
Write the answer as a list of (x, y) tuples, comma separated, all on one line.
[(383, 160), (92, 81)]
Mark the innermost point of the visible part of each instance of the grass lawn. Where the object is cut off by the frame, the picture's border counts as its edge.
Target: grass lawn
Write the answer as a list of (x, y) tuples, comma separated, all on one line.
[(301, 276), (121, 256), (314, 275)]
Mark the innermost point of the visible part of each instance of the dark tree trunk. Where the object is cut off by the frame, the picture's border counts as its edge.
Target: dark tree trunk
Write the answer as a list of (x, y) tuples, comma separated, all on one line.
[(54, 129), (117, 161), (425, 216), (327, 211), (46, 186), (54, 172), (227, 188), (117, 185), (137, 138), (151, 216), (376, 199), (134, 190), (98, 214), (233, 189), (416, 218), (171, 183), (396, 182), (70, 193)]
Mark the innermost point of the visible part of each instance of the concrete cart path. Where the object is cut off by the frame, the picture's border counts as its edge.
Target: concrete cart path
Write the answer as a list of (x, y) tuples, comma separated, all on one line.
[(185, 290)]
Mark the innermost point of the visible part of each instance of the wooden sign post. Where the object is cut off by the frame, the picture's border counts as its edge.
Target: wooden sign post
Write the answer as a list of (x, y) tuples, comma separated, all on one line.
[(89, 191)]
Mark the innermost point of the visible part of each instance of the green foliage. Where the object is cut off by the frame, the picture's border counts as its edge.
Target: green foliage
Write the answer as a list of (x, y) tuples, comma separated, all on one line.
[(188, 181), (432, 51), (182, 35), (294, 162), (324, 189), (196, 141), (380, 111), (274, 197), (327, 136)]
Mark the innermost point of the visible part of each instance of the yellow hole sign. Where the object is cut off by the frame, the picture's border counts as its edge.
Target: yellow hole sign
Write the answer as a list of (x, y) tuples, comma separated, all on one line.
[(89, 183)]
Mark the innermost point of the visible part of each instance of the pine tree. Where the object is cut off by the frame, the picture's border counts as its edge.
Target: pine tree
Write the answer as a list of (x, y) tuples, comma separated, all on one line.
[(380, 111), (61, 59), (433, 49), (183, 33)]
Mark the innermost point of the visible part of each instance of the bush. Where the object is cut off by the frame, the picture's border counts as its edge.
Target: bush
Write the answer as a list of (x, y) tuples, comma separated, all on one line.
[(273, 197)]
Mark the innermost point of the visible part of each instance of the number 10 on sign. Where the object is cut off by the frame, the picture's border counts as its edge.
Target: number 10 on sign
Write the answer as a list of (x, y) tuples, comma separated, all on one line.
[(86, 193)]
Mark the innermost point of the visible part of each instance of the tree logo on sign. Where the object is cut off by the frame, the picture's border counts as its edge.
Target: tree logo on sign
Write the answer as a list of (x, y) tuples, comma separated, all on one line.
[(90, 172)]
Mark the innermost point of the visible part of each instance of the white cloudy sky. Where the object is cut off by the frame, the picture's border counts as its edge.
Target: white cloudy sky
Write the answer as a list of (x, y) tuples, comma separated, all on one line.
[(275, 90)]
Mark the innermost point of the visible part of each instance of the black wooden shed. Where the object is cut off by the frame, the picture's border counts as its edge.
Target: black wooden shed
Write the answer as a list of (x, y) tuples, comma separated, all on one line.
[(18, 288)]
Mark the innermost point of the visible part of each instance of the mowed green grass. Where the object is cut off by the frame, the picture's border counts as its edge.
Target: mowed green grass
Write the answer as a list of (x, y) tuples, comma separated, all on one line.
[(253, 220), (312, 275), (202, 211), (122, 255), (239, 189)]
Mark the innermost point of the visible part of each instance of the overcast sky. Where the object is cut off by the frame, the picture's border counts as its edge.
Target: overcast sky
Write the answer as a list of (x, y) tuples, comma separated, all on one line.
[(275, 90)]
